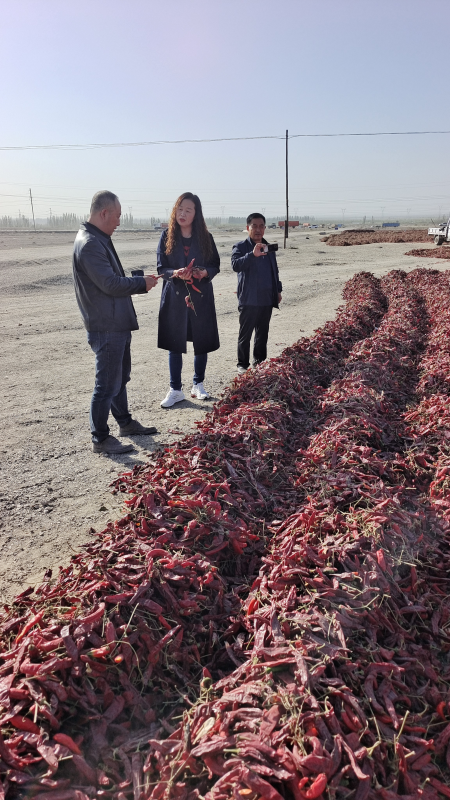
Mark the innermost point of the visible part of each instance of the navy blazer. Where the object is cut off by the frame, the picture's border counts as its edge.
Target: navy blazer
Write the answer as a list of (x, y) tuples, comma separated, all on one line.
[(101, 287), (245, 264), (177, 323)]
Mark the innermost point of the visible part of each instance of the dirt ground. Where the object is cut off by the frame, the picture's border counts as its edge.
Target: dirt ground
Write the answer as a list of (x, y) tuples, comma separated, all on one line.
[(54, 491)]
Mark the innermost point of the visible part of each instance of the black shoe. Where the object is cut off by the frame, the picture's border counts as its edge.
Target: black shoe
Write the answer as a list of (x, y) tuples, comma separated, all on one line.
[(134, 428), (112, 446)]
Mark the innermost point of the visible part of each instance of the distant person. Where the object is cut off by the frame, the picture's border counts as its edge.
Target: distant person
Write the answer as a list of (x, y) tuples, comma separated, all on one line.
[(258, 291), (188, 260), (103, 296)]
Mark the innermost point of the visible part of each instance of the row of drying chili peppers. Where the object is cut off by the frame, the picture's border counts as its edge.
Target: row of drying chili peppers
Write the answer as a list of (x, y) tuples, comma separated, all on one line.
[(340, 608), (150, 514), (141, 608)]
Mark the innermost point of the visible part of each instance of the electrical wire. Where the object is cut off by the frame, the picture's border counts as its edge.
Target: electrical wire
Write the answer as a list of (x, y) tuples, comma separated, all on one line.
[(95, 146)]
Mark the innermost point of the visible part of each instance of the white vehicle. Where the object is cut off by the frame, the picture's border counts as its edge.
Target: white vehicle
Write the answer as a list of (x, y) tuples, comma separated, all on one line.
[(441, 233)]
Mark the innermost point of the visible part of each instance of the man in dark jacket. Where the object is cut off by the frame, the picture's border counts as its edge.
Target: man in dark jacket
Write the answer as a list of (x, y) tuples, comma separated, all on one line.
[(259, 291), (103, 296)]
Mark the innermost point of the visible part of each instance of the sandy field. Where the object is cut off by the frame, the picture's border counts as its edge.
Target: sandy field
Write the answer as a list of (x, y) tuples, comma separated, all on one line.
[(54, 492)]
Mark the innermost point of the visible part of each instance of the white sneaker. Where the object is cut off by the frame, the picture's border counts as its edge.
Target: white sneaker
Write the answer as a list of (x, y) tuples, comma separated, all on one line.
[(173, 396), (241, 370), (199, 391)]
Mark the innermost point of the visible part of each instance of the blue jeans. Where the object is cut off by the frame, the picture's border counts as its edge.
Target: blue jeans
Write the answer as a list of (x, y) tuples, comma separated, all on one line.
[(112, 373), (176, 364)]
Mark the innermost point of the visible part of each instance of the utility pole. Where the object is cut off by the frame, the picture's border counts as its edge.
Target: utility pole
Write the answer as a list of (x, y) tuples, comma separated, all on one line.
[(343, 217), (32, 210), (286, 222)]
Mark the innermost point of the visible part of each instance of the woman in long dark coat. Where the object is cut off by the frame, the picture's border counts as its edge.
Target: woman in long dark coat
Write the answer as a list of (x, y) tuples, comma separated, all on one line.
[(188, 260)]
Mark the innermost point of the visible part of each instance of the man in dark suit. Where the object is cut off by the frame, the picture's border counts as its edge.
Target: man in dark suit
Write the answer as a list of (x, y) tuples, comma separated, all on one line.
[(103, 294), (259, 291)]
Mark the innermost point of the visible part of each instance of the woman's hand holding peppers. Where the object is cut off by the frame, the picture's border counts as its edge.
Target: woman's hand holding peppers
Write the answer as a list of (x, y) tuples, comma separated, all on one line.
[(189, 272), (185, 274), (199, 273)]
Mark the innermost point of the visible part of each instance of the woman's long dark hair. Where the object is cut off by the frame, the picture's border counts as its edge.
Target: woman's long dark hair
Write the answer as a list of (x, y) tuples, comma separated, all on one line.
[(199, 229)]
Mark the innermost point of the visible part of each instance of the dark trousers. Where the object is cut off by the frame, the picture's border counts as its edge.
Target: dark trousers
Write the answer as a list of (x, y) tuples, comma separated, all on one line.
[(112, 373), (176, 365), (253, 318)]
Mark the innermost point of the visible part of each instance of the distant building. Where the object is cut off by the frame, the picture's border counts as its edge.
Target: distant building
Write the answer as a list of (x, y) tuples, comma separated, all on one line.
[(390, 225)]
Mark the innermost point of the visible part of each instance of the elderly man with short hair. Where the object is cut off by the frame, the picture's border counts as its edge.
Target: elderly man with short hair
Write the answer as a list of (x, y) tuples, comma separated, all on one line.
[(103, 294)]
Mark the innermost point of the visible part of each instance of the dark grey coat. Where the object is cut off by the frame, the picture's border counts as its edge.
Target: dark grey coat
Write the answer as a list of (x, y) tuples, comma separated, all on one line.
[(101, 287), (246, 265), (178, 324)]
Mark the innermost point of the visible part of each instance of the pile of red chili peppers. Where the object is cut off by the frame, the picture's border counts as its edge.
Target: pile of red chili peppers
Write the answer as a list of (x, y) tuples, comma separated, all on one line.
[(271, 617), (440, 252)]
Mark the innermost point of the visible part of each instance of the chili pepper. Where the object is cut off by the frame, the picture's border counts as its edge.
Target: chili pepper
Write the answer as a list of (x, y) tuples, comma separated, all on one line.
[(100, 652), (29, 625), (24, 724), (18, 694), (53, 665), (92, 618), (441, 787), (117, 598), (317, 787), (67, 741), (259, 785)]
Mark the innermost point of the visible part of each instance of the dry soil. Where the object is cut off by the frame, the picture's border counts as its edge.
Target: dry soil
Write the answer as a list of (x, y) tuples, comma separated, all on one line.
[(54, 491)]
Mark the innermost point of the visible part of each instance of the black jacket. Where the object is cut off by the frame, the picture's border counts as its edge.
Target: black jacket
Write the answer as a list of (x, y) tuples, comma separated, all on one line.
[(101, 288), (246, 264), (177, 323)]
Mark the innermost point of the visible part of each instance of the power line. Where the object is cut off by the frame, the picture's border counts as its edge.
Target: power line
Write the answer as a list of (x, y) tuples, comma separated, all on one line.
[(95, 146)]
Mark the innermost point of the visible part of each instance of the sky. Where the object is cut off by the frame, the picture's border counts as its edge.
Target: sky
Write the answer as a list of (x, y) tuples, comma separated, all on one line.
[(127, 71)]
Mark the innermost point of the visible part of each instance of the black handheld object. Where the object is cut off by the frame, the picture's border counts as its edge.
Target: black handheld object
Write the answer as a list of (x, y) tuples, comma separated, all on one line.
[(137, 273), (272, 248)]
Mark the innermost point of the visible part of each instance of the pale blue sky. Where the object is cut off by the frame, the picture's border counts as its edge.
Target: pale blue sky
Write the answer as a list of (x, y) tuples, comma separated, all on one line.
[(82, 72)]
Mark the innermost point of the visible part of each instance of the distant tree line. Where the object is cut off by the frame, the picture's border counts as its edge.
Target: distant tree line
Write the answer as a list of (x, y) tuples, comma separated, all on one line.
[(243, 220), (73, 221), (64, 222), (14, 222), (55, 222)]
